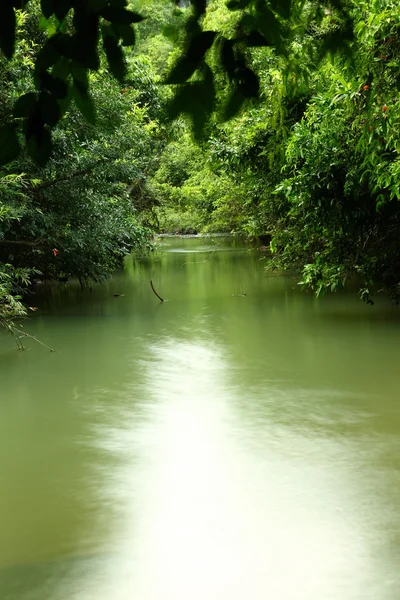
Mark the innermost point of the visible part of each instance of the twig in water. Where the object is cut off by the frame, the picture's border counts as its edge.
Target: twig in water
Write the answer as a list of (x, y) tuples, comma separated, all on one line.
[(36, 340), (158, 295)]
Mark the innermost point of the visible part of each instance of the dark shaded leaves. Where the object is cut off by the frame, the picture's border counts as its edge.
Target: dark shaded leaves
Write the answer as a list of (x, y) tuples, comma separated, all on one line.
[(9, 144), (49, 109), (25, 105), (121, 16), (282, 7), (96, 5), (199, 45), (255, 38), (46, 58), (61, 8), (233, 105), (7, 28), (40, 146), (196, 100), (47, 7), (182, 71), (55, 85), (227, 56), (238, 4), (83, 101), (115, 57), (199, 7), (193, 59), (126, 33)]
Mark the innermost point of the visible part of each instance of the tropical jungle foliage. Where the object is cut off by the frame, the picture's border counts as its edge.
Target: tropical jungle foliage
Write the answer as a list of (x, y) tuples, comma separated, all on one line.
[(313, 165), (279, 120)]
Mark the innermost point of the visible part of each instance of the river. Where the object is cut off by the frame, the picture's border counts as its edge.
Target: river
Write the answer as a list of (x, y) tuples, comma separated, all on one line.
[(239, 441)]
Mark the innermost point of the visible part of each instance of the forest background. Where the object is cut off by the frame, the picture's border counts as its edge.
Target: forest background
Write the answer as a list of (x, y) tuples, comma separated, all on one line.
[(274, 120)]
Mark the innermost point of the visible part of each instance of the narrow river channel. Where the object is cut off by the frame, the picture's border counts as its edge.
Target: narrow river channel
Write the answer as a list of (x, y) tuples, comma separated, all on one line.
[(239, 441)]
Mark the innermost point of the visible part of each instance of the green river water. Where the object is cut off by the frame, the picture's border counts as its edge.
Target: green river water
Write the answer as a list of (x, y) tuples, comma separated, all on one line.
[(239, 441)]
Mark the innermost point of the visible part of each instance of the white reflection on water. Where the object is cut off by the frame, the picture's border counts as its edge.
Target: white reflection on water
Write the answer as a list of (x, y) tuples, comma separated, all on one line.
[(205, 516)]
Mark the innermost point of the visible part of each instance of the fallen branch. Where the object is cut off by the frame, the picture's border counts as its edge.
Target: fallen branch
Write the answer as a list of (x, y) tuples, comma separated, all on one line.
[(32, 337), (18, 334), (158, 295)]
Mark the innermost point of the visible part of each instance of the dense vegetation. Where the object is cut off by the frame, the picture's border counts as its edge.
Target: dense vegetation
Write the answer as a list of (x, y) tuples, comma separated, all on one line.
[(314, 164), (280, 121)]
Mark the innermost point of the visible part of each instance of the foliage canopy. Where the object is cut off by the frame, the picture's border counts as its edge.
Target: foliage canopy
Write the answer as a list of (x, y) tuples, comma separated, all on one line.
[(77, 34)]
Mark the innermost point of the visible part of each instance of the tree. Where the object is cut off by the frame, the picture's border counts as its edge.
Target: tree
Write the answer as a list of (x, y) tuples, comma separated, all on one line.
[(82, 211), (314, 165), (70, 50)]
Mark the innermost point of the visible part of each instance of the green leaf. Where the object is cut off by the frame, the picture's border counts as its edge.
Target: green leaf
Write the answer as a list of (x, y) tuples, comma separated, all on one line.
[(25, 105), (7, 29), (9, 144), (48, 25)]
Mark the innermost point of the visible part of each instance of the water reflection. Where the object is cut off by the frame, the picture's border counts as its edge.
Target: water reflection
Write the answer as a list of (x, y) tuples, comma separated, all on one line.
[(223, 508), (217, 446)]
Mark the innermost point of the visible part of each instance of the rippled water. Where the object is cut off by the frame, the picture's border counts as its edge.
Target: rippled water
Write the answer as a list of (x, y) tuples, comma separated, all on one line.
[(240, 440)]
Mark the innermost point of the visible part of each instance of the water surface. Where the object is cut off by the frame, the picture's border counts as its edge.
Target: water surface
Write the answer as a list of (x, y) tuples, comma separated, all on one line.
[(240, 440)]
